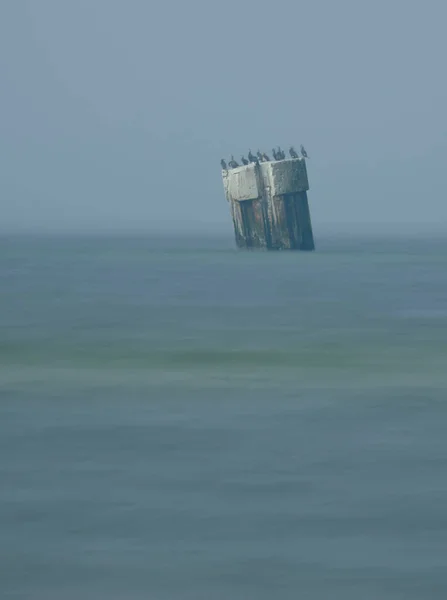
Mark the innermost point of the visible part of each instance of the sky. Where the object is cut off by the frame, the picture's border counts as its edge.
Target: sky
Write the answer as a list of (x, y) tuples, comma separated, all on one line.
[(114, 114)]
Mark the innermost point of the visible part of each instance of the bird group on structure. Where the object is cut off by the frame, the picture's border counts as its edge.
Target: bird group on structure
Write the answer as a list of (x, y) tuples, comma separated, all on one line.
[(277, 153)]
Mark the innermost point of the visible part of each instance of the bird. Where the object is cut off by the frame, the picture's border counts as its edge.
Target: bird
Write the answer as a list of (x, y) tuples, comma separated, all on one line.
[(260, 156), (233, 164), (275, 155), (265, 157), (244, 160), (303, 152), (251, 157), (280, 154), (223, 164), (292, 152)]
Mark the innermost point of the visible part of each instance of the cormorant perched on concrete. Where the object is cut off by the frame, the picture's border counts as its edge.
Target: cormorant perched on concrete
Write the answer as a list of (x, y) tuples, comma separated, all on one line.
[(292, 152), (275, 156), (260, 156), (223, 164), (280, 154), (265, 158), (303, 152), (251, 157), (233, 164), (244, 160)]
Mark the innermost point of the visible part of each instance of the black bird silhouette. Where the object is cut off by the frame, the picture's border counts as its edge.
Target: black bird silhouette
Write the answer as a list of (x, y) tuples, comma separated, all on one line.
[(251, 157), (244, 160), (260, 156), (233, 164), (265, 157), (303, 152), (292, 152), (280, 154), (223, 164), (275, 155)]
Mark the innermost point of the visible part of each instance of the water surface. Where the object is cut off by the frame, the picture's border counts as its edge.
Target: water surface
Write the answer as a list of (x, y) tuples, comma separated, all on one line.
[(179, 420)]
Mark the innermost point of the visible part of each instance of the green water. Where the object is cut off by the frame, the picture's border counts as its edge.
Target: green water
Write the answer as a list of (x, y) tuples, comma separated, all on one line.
[(181, 420)]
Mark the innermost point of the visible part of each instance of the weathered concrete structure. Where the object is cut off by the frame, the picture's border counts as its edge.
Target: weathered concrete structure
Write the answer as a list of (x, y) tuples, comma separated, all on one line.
[(269, 205)]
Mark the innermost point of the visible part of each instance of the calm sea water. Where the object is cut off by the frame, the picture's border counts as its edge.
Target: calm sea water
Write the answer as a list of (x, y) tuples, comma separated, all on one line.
[(179, 420)]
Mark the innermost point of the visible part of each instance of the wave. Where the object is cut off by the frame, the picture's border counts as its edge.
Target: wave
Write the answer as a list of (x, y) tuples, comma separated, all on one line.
[(346, 356)]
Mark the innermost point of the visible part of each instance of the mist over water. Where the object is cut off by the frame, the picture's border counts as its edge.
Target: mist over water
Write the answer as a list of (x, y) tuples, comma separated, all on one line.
[(182, 420)]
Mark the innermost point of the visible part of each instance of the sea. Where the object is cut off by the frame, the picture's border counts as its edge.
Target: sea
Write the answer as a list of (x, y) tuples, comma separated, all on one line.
[(180, 420)]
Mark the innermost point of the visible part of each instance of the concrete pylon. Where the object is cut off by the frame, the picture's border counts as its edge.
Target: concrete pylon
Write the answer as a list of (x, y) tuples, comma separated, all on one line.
[(269, 205)]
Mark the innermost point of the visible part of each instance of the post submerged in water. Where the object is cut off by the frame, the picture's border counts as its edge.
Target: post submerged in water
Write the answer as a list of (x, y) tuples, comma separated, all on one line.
[(269, 206)]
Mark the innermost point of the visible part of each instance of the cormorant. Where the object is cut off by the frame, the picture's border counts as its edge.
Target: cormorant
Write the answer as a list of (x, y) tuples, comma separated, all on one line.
[(281, 154), (303, 152), (251, 157), (223, 164), (292, 152), (233, 164), (260, 156), (275, 156), (244, 160), (265, 158)]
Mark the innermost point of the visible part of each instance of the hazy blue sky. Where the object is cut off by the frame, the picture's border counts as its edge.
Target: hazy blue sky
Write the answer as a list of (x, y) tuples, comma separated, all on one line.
[(116, 113)]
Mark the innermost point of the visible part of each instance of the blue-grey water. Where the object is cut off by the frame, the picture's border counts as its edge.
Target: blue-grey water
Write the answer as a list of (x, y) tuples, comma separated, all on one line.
[(179, 420)]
